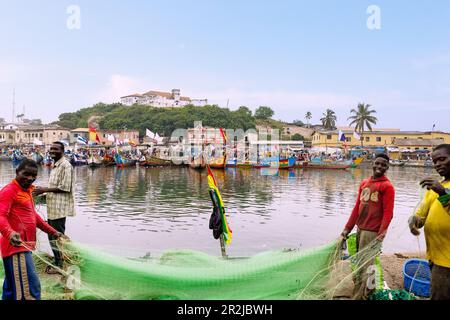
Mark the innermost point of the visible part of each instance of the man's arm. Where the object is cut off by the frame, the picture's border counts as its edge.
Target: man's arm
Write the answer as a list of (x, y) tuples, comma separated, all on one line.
[(6, 202), (44, 226), (354, 215), (417, 220), (388, 211)]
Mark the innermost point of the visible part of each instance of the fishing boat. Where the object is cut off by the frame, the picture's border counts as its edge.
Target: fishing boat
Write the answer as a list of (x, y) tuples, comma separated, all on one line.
[(288, 163), (246, 165), (261, 166), (419, 164), (357, 162), (318, 163), (108, 161), (122, 162), (77, 160), (5, 157), (151, 161), (231, 163), (197, 163), (218, 163), (47, 162), (94, 162), (397, 163), (276, 162), (36, 156), (17, 158), (197, 159)]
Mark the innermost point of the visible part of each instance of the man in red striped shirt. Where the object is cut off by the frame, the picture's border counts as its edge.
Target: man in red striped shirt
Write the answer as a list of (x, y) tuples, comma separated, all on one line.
[(372, 215), (18, 222)]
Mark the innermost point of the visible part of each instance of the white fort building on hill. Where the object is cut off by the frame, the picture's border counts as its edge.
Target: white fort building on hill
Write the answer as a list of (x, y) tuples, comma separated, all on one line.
[(162, 99)]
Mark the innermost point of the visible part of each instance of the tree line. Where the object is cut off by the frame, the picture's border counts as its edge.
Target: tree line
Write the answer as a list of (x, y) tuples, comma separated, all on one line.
[(162, 120), (166, 120), (361, 118)]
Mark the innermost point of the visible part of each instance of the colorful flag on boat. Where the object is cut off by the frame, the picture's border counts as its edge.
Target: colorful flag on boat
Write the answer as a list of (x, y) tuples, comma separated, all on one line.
[(226, 231), (149, 134), (224, 137), (111, 138), (158, 138), (341, 136), (81, 140), (64, 142), (93, 136), (356, 135)]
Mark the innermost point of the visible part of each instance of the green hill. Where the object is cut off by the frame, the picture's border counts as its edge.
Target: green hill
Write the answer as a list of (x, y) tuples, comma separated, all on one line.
[(162, 120)]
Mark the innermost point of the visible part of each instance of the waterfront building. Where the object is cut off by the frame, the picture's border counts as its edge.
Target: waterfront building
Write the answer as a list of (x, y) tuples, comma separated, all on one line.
[(162, 99), (378, 138), (47, 134), (7, 136)]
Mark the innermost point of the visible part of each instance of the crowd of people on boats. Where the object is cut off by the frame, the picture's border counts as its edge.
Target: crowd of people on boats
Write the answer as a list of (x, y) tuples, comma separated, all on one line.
[(164, 156)]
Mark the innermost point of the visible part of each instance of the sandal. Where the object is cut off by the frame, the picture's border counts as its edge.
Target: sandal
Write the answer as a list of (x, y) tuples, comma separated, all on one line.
[(51, 270)]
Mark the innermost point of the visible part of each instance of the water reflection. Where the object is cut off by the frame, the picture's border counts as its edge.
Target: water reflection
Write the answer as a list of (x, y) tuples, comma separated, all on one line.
[(157, 209)]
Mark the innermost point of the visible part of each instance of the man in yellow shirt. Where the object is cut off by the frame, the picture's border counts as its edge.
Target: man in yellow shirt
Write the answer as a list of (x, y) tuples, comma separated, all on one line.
[(434, 215)]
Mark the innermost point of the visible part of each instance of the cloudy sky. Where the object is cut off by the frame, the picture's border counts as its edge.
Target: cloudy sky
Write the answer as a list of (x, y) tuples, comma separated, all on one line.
[(295, 56)]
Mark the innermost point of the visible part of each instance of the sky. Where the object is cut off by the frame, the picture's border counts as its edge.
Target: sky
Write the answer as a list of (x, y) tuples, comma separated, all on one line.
[(294, 56)]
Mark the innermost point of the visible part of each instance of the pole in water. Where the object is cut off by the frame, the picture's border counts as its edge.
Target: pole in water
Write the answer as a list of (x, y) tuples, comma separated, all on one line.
[(222, 247)]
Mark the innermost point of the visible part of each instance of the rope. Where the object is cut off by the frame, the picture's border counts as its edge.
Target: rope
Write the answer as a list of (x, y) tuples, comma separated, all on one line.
[(62, 271), (360, 266)]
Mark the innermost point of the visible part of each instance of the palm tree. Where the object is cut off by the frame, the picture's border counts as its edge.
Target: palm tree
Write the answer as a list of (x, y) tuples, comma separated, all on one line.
[(362, 117), (308, 117), (329, 119)]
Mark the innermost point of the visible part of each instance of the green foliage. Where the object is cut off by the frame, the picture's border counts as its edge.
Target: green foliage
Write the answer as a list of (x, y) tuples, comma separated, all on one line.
[(362, 117), (264, 112), (161, 120), (308, 116), (298, 123), (78, 119), (329, 119)]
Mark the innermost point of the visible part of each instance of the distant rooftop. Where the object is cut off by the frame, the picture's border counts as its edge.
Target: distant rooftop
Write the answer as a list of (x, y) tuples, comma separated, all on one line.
[(380, 131), (418, 142), (343, 128)]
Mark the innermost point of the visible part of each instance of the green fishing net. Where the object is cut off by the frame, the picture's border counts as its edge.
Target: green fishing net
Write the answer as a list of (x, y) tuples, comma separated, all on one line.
[(183, 274), (189, 275), (351, 247)]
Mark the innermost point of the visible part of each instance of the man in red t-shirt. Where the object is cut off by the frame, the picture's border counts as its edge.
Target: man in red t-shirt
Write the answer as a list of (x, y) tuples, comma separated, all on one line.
[(372, 215), (18, 222)]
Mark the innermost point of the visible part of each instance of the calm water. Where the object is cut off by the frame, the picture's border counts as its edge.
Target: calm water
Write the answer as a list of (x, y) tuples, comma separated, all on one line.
[(136, 210)]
